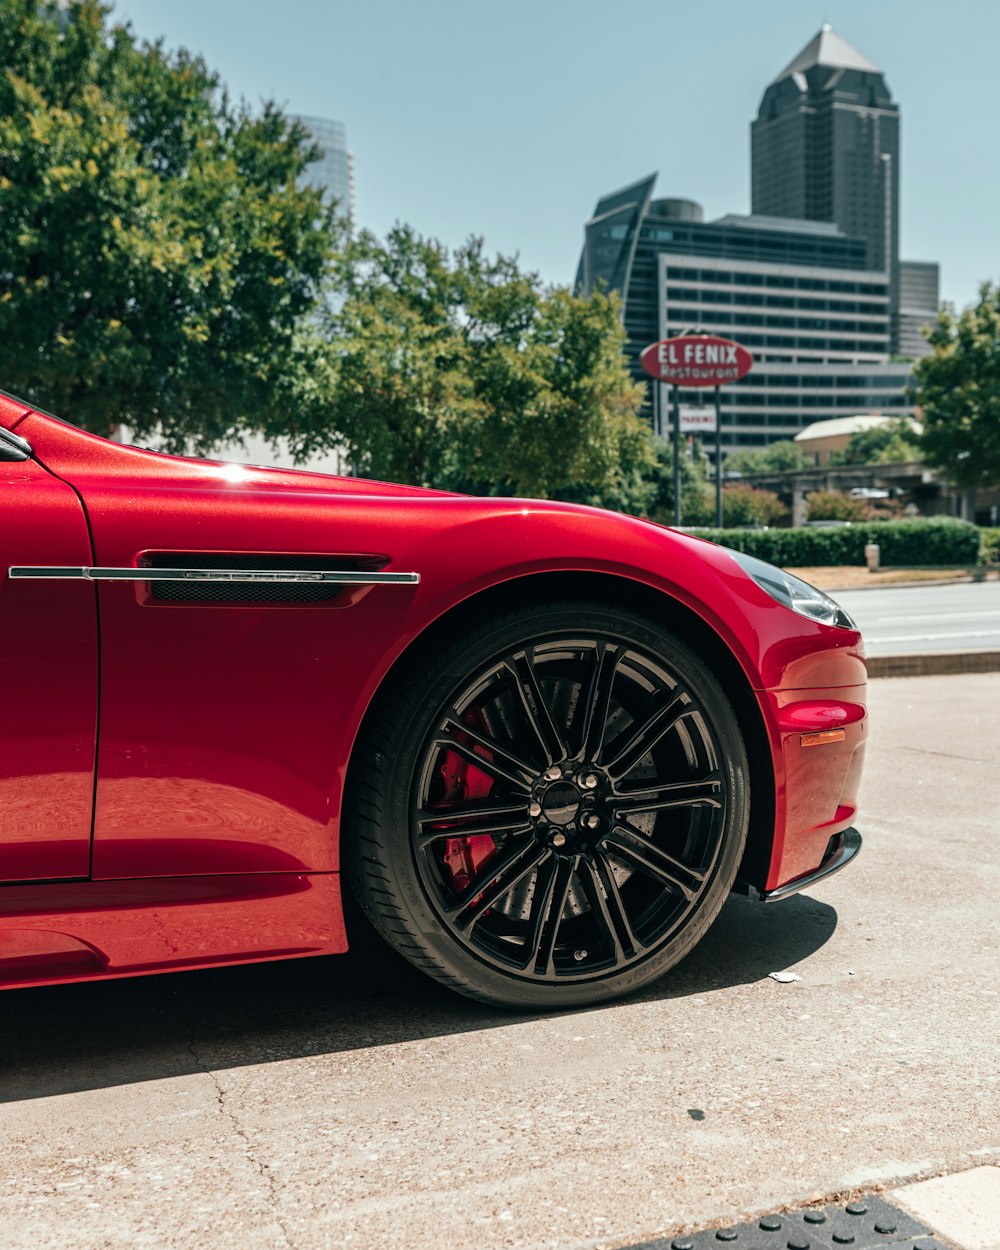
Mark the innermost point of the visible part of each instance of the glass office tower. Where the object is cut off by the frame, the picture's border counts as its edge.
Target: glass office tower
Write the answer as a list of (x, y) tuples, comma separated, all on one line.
[(919, 301), (334, 171), (799, 294)]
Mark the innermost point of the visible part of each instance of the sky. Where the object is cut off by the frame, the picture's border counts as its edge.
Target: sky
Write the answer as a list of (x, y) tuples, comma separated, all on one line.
[(510, 120)]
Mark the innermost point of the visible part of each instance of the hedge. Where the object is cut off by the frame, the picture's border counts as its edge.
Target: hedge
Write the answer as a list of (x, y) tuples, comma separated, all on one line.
[(940, 541), (991, 546)]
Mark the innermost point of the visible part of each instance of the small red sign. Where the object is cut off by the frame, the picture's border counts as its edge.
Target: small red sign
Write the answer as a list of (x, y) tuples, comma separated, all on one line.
[(697, 360)]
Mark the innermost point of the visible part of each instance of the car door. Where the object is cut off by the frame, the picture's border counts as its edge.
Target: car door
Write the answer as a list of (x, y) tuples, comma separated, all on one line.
[(48, 679)]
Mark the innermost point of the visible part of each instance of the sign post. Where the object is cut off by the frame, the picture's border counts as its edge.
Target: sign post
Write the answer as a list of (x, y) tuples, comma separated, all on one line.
[(697, 360), (676, 438), (718, 456)]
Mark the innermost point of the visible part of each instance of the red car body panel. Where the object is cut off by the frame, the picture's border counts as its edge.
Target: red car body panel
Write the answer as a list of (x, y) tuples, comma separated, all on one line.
[(76, 931), (226, 730), (48, 725)]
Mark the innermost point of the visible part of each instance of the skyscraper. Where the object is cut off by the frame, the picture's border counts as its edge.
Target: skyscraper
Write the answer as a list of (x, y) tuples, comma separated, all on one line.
[(334, 171), (825, 147), (919, 300)]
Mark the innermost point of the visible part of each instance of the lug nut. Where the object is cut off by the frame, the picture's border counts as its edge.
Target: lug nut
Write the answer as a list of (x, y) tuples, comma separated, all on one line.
[(589, 781), (553, 773), (534, 809), (558, 839), (592, 820)]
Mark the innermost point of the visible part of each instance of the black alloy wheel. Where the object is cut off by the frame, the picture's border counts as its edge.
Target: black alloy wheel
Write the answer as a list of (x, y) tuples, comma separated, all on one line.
[(553, 812)]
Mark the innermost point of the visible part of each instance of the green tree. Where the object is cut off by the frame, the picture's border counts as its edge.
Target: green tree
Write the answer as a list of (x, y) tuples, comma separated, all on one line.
[(158, 263), (783, 456), (697, 492), (958, 390), (895, 441), (463, 371)]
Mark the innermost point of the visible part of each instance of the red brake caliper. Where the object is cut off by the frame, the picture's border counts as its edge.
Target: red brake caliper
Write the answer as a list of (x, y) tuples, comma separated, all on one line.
[(464, 857)]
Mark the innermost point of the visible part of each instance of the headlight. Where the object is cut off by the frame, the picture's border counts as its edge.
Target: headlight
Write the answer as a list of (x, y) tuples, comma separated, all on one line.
[(793, 592)]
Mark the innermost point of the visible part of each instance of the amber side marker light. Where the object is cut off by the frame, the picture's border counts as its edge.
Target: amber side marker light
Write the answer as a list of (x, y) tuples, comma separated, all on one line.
[(823, 737)]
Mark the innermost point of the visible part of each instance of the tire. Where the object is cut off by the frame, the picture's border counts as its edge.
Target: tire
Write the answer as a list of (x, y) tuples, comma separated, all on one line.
[(551, 811)]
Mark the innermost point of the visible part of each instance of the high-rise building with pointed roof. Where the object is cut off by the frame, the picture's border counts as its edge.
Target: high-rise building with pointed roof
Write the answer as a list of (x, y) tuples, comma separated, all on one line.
[(825, 147)]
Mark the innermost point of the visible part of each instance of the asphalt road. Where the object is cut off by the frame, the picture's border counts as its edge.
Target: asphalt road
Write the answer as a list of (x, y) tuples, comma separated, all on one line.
[(908, 620), (347, 1103)]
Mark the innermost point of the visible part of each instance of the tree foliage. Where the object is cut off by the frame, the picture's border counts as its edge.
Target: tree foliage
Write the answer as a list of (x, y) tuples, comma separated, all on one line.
[(158, 263), (161, 268), (783, 456), (958, 390), (460, 370), (896, 441), (697, 492)]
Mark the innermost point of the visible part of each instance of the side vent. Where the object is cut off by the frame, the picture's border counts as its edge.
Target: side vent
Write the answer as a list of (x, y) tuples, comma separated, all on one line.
[(250, 592)]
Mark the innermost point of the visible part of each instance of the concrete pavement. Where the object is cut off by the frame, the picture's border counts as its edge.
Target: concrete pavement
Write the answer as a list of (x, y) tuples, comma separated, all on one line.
[(349, 1103)]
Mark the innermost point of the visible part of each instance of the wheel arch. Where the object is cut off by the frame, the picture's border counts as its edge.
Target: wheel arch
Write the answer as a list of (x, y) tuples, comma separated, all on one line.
[(666, 610)]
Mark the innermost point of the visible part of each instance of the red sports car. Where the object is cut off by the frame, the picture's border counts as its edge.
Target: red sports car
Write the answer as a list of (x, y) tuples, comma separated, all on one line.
[(538, 743)]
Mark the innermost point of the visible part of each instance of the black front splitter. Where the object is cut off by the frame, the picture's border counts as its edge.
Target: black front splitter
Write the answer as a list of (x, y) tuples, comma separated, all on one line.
[(842, 849)]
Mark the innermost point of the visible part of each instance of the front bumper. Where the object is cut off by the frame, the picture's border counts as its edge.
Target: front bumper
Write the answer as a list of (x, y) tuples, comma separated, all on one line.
[(843, 848), (818, 741)]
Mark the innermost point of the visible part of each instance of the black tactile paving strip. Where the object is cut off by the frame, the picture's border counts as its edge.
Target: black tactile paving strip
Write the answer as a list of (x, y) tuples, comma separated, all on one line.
[(868, 1223)]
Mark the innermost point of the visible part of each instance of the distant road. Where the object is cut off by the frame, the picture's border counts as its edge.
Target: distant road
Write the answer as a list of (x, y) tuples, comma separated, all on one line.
[(922, 619)]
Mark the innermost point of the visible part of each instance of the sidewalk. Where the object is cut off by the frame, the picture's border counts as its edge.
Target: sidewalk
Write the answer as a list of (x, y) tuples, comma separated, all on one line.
[(958, 1210), (853, 577)]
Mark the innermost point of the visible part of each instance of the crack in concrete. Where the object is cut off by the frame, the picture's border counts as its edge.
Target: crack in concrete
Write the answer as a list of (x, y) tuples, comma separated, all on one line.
[(262, 1170), (948, 755)]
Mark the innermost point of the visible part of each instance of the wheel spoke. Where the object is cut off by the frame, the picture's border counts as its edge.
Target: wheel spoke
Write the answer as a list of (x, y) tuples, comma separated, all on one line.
[(649, 733), (706, 792), (500, 762), (598, 701), (494, 882), (461, 822), (636, 849), (540, 900), (606, 904), (616, 906), (548, 931), (536, 710)]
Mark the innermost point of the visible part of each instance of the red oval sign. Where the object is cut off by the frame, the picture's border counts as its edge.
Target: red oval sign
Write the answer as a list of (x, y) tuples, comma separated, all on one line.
[(697, 360)]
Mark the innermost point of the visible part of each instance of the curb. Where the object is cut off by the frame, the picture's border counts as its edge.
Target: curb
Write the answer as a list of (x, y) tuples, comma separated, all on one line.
[(941, 581), (936, 663)]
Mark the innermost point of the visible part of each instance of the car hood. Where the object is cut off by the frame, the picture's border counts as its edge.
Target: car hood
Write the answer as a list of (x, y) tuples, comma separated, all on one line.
[(66, 448)]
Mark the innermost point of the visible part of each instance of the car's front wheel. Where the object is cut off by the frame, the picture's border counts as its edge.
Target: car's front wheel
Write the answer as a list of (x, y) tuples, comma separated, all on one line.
[(551, 811)]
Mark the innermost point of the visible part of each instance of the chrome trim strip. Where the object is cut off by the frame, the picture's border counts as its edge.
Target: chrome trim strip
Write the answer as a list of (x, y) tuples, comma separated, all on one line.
[(840, 858), (16, 447), (343, 577)]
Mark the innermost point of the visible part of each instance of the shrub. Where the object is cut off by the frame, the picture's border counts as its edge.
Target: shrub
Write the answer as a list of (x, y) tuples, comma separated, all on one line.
[(745, 505), (990, 550), (902, 543), (834, 505)]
